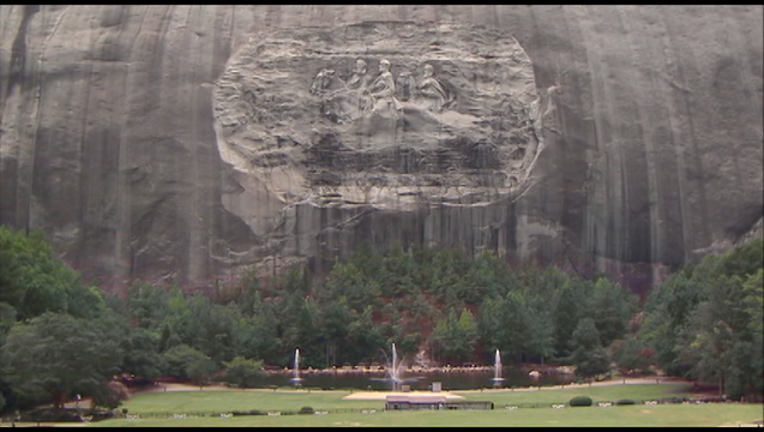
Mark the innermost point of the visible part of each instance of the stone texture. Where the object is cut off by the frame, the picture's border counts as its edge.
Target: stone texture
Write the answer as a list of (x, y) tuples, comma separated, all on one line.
[(115, 136)]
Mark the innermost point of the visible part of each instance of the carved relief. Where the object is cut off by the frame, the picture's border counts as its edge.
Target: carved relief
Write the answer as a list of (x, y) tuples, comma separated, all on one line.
[(433, 93), (352, 110)]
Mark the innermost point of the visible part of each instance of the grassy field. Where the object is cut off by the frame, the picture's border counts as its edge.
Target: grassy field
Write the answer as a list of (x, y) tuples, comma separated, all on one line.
[(224, 401), (704, 415), (204, 403), (612, 393)]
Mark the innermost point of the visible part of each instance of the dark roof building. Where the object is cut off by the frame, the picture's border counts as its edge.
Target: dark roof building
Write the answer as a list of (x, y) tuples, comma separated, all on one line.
[(434, 402)]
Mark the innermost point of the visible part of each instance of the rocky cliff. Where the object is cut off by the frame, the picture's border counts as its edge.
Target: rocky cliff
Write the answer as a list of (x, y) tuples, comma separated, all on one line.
[(189, 141)]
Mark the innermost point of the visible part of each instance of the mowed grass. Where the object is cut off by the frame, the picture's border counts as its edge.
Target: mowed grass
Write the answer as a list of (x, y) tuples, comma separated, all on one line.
[(609, 393), (674, 415), (224, 401)]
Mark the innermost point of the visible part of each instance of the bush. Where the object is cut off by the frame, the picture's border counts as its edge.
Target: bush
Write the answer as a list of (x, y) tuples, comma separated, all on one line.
[(250, 412), (580, 401), (101, 415), (674, 400), (46, 414), (306, 410), (625, 402)]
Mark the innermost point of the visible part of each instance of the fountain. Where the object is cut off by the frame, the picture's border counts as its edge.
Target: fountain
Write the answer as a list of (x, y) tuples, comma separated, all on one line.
[(394, 373), (497, 379), (296, 380)]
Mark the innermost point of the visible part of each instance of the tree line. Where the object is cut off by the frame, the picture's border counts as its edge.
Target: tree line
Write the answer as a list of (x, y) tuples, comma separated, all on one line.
[(61, 337)]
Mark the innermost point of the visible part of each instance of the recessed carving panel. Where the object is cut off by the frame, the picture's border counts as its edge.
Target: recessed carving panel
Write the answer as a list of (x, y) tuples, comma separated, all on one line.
[(369, 112)]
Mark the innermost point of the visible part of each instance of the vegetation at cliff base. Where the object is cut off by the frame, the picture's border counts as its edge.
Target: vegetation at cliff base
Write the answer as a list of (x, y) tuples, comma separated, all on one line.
[(61, 337)]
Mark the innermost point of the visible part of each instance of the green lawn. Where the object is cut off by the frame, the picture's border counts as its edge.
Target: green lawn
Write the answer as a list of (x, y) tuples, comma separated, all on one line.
[(204, 403), (225, 401), (610, 393), (675, 415)]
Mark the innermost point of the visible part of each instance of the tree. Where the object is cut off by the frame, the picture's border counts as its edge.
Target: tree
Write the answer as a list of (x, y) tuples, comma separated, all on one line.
[(256, 335), (633, 355), (335, 319), (718, 342), (111, 396), (456, 337), (611, 310), (34, 280), (566, 317), (364, 338), (349, 280), (589, 357), (200, 370), (213, 328), (141, 354), (55, 355), (185, 362), (243, 372), (147, 304), (753, 305), (667, 311), (515, 327)]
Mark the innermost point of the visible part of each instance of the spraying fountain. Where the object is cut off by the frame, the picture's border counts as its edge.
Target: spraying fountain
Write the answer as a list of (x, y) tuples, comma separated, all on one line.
[(296, 380), (497, 379), (394, 372)]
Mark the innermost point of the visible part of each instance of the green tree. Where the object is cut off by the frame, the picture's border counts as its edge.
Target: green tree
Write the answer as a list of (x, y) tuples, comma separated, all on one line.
[(34, 280), (55, 355), (743, 260), (243, 372), (213, 328), (185, 362), (364, 338), (111, 396), (256, 335), (565, 318), (335, 319), (141, 354), (456, 337), (515, 327), (589, 357), (349, 280), (667, 311), (611, 307), (147, 304), (718, 342), (633, 355), (200, 370), (753, 305)]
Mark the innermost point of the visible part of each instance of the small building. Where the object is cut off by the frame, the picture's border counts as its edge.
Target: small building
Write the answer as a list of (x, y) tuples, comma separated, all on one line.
[(432, 402)]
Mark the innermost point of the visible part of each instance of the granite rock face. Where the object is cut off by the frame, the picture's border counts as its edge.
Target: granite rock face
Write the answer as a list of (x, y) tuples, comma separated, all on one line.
[(189, 141)]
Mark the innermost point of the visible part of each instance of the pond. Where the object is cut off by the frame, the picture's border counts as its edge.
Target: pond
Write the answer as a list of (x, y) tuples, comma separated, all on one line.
[(458, 379)]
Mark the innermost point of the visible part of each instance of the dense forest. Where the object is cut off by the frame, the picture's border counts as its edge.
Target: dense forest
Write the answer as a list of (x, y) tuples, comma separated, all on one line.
[(60, 336)]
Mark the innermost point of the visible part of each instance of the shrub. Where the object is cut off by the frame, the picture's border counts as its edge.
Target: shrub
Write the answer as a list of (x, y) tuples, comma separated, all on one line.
[(674, 399), (625, 402), (46, 414), (250, 412), (580, 401), (306, 410)]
